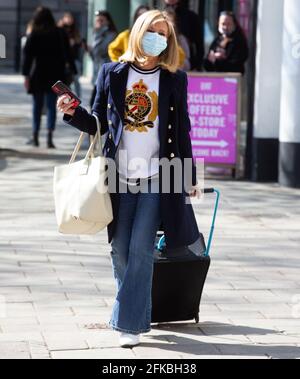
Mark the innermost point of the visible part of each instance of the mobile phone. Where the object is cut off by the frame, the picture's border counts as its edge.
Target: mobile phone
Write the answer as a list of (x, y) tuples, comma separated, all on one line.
[(62, 89)]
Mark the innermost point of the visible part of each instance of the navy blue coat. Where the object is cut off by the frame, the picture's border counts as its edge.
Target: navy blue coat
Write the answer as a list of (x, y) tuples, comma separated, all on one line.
[(178, 218)]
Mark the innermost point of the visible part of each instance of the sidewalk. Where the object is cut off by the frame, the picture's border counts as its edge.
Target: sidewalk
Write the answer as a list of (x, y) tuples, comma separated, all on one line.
[(56, 292)]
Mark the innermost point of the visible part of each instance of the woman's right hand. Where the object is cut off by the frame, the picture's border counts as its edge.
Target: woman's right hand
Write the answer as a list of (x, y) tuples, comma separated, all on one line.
[(64, 105)]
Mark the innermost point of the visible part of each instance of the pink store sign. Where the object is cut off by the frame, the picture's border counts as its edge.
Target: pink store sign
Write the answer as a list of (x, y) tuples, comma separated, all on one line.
[(214, 114)]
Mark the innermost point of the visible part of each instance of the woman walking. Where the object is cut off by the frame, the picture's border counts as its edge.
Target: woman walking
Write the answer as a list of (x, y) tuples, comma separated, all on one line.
[(142, 104), (68, 23), (105, 32), (46, 54)]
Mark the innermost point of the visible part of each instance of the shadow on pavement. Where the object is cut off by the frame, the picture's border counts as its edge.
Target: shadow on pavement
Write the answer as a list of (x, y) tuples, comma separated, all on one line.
[(223, 333), (9, 153), (3, 163)]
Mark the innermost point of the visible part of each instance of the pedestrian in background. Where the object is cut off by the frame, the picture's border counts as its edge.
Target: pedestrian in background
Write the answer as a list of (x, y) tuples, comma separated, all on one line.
[(45, 56), (24, 38), (229, 51), (190, 25), (120, 45), (184, 49), (105, 32), (68, 23)]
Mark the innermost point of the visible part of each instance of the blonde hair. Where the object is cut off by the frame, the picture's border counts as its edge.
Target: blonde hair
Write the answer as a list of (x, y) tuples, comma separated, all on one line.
[(169, 59)]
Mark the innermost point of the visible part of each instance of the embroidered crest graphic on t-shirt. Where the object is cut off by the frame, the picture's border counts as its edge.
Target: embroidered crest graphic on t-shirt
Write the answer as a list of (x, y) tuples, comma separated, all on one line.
[(141, 108)]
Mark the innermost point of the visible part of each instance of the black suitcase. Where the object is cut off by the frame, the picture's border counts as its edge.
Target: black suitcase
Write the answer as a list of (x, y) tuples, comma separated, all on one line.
[(179, 276)]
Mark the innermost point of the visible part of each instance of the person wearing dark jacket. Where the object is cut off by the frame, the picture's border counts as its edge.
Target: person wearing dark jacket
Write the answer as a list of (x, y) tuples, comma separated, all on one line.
[(190, 25), (105, 32), (68, 23), (45, 57), (141, 103), (229, 51)]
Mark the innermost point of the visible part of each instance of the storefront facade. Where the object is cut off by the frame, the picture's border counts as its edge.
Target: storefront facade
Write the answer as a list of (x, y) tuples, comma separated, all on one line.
[(15, 14), (208, 11)]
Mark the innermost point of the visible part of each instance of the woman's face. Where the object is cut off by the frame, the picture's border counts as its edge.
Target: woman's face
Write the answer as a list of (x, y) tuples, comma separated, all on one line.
[(100, 21), (226, 25), (68, 20), (160, 27)]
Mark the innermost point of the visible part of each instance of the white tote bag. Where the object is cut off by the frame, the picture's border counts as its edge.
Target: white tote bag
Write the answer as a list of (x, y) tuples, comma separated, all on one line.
[(82, 201)]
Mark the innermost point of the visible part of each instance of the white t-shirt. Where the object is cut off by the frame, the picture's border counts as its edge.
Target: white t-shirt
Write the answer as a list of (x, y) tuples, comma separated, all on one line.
[(138, 152)]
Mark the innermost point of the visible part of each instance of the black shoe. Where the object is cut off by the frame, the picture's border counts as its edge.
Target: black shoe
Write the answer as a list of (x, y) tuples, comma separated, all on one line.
[(50, 141), (34, 140), (51, 145)]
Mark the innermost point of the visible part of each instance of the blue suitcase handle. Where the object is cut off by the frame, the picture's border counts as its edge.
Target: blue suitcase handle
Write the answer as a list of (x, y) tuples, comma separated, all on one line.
[(162, 241), (212, 229)]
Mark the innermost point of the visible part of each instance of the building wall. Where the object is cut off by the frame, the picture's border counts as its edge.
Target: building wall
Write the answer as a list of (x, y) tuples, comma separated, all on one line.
[(7, 28), (11, 20)]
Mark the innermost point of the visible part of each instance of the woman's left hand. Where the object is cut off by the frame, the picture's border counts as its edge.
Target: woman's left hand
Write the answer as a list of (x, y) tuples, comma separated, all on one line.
[(196, 192)]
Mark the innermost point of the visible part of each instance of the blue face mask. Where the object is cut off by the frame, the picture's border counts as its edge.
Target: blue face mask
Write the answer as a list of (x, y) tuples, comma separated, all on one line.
[(154, 44)]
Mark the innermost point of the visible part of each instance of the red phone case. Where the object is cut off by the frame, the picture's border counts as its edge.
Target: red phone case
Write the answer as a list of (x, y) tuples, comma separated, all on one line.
[(61, 89)]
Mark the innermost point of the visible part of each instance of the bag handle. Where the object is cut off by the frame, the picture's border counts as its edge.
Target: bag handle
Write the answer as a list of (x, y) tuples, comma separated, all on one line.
[(93, 141)]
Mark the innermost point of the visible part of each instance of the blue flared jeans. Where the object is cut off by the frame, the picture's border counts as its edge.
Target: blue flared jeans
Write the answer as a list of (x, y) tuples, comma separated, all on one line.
[(132, 257)]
